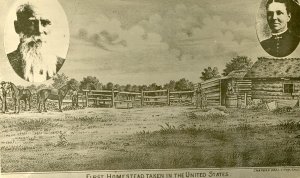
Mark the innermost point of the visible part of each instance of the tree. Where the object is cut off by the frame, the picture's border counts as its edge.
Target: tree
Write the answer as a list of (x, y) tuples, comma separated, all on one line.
[(109, 86), (210, 73), (89, 83), (143, 88), (122, 88), (154, 86), (99, 86), (135, 88), (183, 85), (237, 63), (74, 83), (170, 86), (128, 87), (117, 87), (59, 80)]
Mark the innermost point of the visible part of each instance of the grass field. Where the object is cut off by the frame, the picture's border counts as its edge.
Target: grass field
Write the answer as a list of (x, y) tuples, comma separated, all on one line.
[(151, 137)]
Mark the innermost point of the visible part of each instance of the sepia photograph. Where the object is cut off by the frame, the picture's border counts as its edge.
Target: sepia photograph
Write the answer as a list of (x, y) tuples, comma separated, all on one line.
[(150, 88)]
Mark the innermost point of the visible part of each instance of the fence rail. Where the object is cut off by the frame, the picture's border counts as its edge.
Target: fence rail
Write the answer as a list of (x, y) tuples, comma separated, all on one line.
[(112, 98)]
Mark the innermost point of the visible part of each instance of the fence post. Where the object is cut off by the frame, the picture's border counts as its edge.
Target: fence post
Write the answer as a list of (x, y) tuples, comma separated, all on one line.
[(127, 102), (168, 97), (142, 98), (86, 99), (112, 98)]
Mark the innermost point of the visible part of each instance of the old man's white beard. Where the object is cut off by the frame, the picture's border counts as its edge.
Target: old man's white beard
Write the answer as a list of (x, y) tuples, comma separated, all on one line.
[(39, 64)]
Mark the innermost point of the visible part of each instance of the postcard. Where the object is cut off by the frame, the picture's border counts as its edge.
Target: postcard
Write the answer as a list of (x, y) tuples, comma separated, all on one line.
[(150, 88)]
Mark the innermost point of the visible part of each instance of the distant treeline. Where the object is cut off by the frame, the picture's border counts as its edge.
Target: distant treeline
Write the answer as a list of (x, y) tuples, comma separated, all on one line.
[(93, 83)]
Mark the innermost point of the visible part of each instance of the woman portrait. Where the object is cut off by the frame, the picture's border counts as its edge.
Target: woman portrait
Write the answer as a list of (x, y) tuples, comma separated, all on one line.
[(279, 34)]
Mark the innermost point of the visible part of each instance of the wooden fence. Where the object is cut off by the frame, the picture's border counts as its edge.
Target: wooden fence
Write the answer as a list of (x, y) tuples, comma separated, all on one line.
[(155, 97), (117, 99), (182, 97), (105, 98), (111, 98), (127, 99)]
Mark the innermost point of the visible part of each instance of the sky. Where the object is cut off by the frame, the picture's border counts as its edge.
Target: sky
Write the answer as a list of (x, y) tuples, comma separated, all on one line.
[(152, 41)]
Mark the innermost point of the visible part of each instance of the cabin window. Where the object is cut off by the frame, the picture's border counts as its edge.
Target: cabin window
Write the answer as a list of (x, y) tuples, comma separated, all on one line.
[(288, 88)]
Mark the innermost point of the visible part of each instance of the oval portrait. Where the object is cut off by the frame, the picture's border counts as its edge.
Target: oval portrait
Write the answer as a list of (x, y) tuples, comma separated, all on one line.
[(278, 26), (36, 38)]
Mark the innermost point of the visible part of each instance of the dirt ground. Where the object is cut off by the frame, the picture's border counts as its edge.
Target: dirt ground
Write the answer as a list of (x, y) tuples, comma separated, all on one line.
[(151, 137)]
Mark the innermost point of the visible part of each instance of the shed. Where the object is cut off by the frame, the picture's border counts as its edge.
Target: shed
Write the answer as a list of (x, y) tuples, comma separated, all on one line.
[(230, 91)]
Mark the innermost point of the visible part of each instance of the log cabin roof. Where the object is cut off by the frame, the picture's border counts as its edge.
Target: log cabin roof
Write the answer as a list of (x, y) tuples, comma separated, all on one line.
[(275, 68), (239, 74)]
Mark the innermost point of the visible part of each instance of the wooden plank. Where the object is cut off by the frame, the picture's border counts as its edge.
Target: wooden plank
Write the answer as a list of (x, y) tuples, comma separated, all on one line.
[(64, 101), (100, 95), (181, 92), (213, 94), (210, 87), (244, 79), (156, 91), (99, 99), (142, 98), (216, 90), (86, 99), (273, 93), (155, 101), (215, 99), (244, 82), (210, 81), (213, 104), (168, 98), (112, 98), (266, 85), (100, 91), (121, 101), (270, 97), (245, 88), (178, 99), (155, 97), (266, 89), (244, 85), (242, 89), (129, 93)]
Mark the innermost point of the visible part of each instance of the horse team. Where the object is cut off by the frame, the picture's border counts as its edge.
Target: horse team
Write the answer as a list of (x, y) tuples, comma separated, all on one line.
[(18, 94)]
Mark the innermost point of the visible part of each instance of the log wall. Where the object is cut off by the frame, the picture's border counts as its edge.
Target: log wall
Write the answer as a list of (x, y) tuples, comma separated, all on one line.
[(273, 89)]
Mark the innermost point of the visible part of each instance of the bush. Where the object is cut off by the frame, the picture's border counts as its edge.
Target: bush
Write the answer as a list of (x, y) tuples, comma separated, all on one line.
[(282, 110), (34, 124), (290, 125)]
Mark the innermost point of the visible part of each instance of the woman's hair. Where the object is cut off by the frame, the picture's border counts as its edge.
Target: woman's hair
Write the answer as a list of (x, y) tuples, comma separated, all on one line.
[(286, 2)]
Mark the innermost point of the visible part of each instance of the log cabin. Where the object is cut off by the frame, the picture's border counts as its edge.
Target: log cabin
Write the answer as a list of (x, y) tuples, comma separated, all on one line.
[(275, 79)]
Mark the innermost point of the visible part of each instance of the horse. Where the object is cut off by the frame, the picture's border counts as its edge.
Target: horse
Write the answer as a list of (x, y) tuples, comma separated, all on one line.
[(18, 95), (3, 93), (52, 94)]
